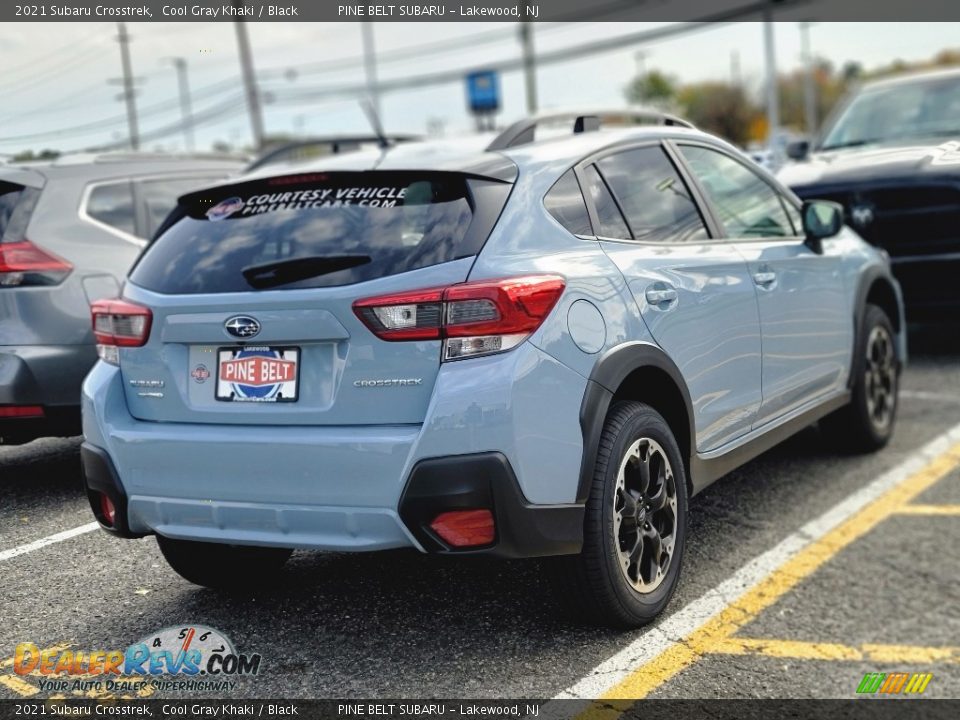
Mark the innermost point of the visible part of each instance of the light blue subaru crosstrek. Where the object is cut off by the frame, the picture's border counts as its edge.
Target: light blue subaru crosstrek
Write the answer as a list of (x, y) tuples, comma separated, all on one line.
[(541, 347)]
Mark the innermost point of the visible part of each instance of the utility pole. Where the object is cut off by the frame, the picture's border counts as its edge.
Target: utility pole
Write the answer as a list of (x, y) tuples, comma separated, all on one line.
[(249, 82), (529, 61), (735, 68), (129, 91), (809, 81), (773, 92), (370, 66), (641, 59), (186, 110)]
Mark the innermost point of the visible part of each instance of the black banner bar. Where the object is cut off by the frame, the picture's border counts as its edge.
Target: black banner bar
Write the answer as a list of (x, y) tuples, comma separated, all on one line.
[(854, 709), (478, 11)]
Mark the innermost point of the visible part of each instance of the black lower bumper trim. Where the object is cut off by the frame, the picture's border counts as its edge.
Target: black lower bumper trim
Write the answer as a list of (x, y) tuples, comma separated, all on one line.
[(99, 476), (56, 422), (486, 480)]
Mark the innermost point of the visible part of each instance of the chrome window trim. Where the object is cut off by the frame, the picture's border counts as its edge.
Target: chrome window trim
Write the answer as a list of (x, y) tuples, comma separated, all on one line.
[(117, 232)]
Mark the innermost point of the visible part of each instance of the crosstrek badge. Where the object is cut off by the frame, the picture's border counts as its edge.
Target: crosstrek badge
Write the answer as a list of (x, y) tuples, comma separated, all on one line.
[(225, 208)]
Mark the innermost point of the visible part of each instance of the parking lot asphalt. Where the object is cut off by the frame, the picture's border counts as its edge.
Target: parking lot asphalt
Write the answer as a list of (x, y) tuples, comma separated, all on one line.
[(878, 596)]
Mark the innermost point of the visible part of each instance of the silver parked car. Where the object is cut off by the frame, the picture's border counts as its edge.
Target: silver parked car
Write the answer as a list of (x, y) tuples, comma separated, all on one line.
[(69, 231)]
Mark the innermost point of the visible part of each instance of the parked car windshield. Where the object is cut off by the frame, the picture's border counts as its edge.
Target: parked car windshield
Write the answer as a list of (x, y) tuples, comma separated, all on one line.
[(922, 109)]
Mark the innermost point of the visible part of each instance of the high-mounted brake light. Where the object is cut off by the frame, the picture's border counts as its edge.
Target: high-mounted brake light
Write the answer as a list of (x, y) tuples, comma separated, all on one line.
[(119, 323), (473, 319), (23, 264)]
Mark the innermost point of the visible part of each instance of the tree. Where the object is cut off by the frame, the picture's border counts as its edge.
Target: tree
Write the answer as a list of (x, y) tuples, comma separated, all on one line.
[(655, 88), (719, 108), (28, 155)]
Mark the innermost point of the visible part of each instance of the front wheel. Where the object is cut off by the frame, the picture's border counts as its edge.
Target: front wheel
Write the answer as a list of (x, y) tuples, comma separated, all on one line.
[(635, 523), (223, 567), (866, 424)]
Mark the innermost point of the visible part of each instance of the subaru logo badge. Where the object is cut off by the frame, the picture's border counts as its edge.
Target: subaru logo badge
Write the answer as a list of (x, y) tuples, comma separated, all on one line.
[(242, 326)]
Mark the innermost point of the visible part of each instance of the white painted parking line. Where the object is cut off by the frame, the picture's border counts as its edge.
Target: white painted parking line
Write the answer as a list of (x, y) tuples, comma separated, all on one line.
[(930, 396), (48, 540), (675, 627)]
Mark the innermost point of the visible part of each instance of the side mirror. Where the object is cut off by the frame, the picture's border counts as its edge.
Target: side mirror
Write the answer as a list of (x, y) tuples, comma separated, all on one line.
[(821, 219), (798, 149)]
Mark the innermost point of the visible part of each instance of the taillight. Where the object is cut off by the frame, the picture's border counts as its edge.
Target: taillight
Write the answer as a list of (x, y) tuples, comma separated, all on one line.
[(118, 323), (475, 318), (21, 411), (23, 264)]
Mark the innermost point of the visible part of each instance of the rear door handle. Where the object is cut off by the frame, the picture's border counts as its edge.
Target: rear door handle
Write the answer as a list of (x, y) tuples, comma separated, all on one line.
[(764, 278), (658, 297)]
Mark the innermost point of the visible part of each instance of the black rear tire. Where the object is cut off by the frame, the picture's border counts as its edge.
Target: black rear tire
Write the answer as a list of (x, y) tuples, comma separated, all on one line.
[(600, 585), (866, 424), (223, 567)]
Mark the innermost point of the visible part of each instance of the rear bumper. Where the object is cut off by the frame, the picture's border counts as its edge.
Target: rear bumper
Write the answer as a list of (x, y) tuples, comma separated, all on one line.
[(353, 488), (45, 376)]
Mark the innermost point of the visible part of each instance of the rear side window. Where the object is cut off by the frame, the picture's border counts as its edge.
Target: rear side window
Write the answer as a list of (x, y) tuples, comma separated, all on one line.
[(654, 199), (565, 202), (612, 224), (315, 230), (16, 206), (112, 204), (159, 197)]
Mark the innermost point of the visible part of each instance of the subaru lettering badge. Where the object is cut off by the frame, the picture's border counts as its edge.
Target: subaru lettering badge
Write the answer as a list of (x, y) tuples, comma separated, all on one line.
[(242, 326)]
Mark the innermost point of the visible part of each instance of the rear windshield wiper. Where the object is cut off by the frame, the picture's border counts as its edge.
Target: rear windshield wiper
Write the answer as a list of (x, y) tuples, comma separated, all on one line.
[(283, 272)]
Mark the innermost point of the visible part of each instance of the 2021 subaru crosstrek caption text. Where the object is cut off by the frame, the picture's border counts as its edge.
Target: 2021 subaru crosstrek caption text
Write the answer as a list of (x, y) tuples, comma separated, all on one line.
[(529, 349)]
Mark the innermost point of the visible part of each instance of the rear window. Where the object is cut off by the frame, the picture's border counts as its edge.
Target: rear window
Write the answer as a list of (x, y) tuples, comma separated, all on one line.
[(317, 230), (16, 206)]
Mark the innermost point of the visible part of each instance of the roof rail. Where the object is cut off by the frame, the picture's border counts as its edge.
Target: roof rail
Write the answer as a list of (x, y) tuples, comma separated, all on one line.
[(334, 145), (524, 131)]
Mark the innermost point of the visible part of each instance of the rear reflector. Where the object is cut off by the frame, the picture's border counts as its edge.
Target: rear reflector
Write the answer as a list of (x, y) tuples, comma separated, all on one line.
[(473, 319), (108, 510), (465, 528), (118, 323), (21, 411), (23, 264)]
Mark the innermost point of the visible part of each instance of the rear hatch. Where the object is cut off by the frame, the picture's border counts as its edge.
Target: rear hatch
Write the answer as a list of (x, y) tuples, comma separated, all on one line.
[(251, 288)]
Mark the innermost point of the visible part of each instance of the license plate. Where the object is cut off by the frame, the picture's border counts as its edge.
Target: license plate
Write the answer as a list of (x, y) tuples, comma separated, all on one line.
[(258, 374)]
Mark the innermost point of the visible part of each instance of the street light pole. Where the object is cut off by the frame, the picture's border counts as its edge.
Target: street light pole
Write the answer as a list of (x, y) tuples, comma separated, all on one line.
[(370, 66), (529, 62), (186, 109), (809, 83), (773, 92)]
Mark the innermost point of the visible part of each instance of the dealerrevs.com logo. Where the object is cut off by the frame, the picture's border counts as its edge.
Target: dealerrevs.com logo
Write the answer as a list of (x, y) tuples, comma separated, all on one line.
[(198, 657)]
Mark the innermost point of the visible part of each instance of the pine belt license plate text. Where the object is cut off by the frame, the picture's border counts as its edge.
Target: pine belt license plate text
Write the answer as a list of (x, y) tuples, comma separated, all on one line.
[(258, 374)]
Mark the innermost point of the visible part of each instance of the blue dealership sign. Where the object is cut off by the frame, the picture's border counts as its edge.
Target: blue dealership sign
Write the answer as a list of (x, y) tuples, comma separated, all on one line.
[(483, 91)]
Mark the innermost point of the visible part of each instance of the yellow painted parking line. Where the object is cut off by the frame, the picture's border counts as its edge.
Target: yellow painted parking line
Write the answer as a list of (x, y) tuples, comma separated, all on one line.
[(929, 510), (20, 687), (771, 647), (678, 656)]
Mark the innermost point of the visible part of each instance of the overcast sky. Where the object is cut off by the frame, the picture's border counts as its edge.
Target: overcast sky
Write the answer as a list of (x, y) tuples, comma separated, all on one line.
[(55, 75)]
